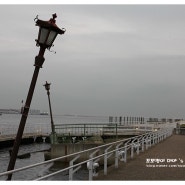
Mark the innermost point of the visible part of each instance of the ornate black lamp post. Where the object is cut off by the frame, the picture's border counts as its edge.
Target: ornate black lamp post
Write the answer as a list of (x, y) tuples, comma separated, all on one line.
[(53, 136), (48, 31)]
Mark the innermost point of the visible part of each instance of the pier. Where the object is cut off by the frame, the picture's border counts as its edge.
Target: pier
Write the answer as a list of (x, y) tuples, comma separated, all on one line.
[(77, 137), (121, 154), (155, 154)]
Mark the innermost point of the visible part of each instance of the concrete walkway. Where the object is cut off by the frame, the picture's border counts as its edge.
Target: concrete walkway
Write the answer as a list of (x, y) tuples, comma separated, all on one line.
[(163, 167)]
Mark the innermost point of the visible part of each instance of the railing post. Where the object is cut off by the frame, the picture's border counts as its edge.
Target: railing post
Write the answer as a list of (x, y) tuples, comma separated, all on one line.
[(84, 130), (116, 131), (71, 171), (143, 144), (138, 145), (125, 156), (90, 170), (150, 140), (106, 156), (154, 136), (90, 165), (132, 150), (147, 141), (126, 147), (153, 139), (117, 155), (157, 138), (105, 162), (162, 136)]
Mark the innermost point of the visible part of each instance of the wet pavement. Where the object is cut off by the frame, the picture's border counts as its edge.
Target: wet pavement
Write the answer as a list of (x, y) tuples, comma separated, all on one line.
[(164, 161)]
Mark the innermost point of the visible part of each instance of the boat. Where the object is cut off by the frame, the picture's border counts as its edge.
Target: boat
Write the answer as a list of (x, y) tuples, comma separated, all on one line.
[(44, 113)]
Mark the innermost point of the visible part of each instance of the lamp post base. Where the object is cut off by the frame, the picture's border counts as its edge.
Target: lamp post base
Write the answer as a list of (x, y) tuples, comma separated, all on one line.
[(53, 138)]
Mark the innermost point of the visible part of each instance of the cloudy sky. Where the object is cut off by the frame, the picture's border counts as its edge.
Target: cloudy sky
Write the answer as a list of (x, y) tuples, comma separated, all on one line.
[(112, 60)]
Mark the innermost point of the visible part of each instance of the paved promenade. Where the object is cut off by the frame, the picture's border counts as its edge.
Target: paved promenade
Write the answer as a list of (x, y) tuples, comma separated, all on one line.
[(154, 164)]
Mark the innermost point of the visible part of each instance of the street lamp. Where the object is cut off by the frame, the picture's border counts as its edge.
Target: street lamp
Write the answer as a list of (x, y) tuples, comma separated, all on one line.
[(53, 136), (48, 31)]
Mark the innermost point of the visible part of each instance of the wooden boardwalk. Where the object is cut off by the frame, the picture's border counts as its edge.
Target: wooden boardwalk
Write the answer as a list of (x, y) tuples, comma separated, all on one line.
[(164, 161)]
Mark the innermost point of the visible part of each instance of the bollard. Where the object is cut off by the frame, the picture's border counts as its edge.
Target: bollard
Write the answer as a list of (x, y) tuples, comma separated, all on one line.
[(44, 139)]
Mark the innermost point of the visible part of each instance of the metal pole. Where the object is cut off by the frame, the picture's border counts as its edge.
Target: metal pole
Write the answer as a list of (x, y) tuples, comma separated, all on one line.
[(39, 60), (116, 131), (84, 130), (52, 123), (53, 135)]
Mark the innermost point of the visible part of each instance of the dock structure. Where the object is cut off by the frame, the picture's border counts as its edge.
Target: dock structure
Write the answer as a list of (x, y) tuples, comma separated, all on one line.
[(155, 155), (120, 154)]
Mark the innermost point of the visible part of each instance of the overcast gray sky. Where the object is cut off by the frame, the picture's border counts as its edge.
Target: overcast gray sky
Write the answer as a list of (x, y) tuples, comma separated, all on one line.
[(112, 60)]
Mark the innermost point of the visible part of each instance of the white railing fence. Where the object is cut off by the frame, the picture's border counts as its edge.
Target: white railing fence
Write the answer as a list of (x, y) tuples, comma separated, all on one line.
[(118, 151)]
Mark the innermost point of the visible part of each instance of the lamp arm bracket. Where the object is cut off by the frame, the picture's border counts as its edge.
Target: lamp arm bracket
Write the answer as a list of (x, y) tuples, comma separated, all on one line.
[(36, 18), (52, 50), (64, 30)]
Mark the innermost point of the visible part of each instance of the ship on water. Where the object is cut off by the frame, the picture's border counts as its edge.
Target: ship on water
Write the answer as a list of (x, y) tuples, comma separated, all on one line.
[(18, 111), (44, 113)]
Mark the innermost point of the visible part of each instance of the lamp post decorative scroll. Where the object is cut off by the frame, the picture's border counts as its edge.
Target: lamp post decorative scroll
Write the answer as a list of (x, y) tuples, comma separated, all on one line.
[(48, 32)]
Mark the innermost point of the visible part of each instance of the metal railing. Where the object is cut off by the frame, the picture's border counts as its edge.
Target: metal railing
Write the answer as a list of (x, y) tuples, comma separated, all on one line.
[(84, 129), (180, 131), (100, 128), (122, 150)]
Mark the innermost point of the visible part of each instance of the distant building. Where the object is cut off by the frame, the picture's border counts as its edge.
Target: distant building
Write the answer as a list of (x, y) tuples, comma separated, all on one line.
[(34, 112), (18, 111), (9, 111)]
